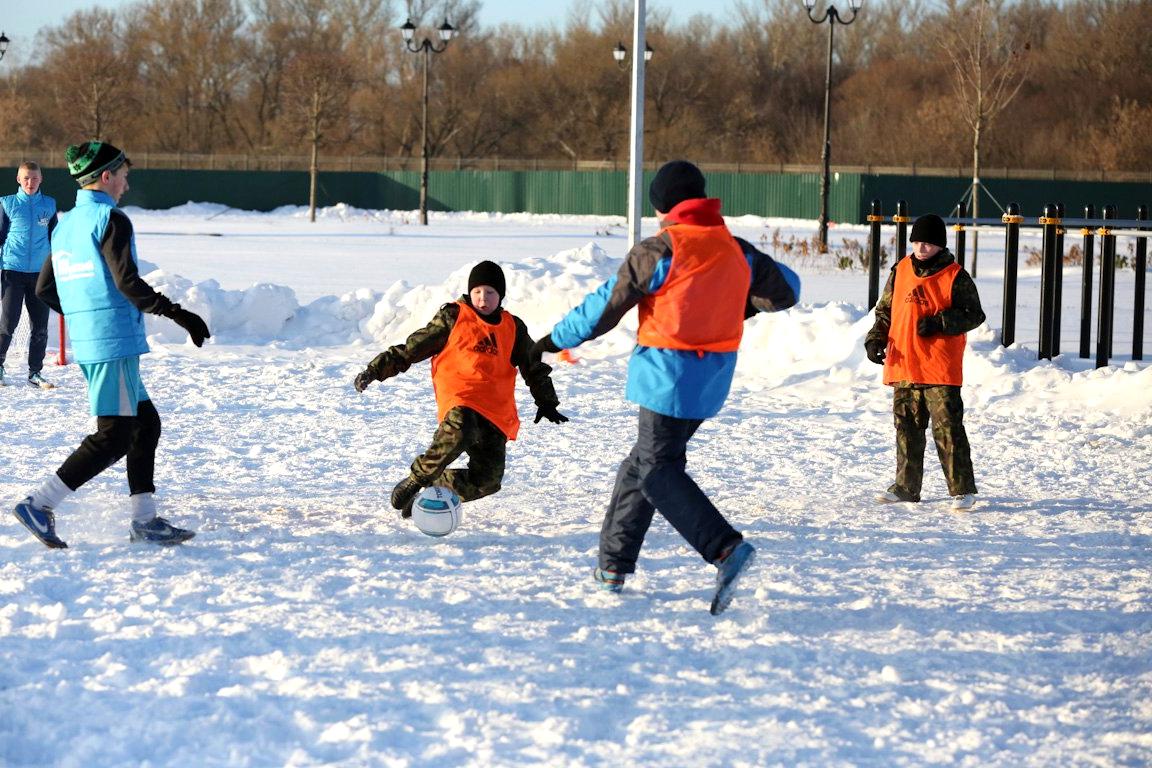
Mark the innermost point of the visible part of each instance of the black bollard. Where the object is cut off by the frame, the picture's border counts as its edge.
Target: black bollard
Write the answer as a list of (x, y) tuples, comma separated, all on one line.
[(961, 212), (1049, 223), (1138, 304), (1107, 289), (1012, 221), (1086, 286), (874, 219)]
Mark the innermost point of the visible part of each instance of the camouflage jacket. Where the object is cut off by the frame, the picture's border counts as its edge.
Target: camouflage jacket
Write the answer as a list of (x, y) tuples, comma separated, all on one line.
[(430, 340), (964, 314)]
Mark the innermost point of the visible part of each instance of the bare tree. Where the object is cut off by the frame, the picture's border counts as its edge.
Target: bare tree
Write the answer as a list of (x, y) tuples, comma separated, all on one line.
[(317, 87), (990, 63), (193, 59), (92, 73)]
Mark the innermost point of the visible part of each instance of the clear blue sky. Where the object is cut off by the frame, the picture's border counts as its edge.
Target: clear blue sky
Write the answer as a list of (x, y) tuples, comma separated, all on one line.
[(22, 19)]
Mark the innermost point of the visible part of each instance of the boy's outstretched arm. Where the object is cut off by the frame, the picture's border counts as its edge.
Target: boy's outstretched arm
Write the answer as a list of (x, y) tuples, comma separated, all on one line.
[(419, 346)]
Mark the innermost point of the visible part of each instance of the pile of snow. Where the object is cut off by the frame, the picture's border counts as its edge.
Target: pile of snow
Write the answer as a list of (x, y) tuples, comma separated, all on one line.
[(818, 347)]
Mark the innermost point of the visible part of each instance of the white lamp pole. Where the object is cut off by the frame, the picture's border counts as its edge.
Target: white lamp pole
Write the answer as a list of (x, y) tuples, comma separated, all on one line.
[(636, 150)]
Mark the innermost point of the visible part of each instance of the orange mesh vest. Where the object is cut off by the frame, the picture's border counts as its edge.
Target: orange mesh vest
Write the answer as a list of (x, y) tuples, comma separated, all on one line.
[(475, 370), (700, 306), (918, 359)]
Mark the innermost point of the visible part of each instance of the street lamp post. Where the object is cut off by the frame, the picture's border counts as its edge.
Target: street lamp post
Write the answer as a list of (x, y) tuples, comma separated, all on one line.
[(427, 47), (636, 129), (636, 140), (832, 17), (3, 44)]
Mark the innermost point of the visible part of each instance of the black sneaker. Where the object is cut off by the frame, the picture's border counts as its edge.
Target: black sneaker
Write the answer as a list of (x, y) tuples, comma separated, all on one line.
[(895, 495), (41, 522), (158, 531), (404, 494)]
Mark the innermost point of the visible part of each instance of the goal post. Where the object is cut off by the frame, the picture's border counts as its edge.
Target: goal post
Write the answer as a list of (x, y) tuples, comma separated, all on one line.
[(57, 339)]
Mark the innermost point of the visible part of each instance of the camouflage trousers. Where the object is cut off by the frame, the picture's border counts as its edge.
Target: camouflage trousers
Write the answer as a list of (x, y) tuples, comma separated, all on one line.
[(912, 409), (463, 430)]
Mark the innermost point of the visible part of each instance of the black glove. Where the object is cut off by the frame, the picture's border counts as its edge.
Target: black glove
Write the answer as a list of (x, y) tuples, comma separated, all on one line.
[(877, 350), (191, 322), (549, 412), (545, 344), (363, 379), (930, 326)]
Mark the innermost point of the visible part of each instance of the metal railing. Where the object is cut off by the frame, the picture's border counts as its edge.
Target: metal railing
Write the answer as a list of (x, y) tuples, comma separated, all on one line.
[(1052, 224)]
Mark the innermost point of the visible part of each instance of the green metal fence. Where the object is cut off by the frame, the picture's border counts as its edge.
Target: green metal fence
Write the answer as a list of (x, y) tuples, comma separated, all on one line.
[(791, 195)]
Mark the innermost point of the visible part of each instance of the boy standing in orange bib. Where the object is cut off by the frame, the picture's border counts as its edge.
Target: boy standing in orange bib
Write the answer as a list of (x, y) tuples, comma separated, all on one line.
[(928, 306), (476, 347)]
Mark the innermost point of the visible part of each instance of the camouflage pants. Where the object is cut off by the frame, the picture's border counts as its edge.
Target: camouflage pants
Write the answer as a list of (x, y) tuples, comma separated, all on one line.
[(464, 431), (912, 408)]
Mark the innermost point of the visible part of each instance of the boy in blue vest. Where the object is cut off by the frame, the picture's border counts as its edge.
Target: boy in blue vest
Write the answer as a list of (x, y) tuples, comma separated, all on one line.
[(92, 279), (27, 219), (695, 285)]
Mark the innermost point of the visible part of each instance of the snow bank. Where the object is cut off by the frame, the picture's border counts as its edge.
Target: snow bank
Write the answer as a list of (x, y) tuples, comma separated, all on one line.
[(817, 346)]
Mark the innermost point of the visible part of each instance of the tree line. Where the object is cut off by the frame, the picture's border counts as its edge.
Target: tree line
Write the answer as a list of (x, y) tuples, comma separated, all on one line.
[(285, 76)]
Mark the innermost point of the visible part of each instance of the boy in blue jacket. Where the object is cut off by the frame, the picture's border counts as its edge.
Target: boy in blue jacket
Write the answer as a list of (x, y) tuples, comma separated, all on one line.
[(695, 285), (27, 219)]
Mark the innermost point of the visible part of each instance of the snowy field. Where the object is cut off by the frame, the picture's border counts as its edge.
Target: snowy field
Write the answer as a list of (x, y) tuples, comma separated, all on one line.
[(307, 625)]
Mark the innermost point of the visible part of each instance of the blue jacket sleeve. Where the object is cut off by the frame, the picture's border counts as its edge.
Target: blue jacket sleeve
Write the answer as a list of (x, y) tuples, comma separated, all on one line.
[(642, 272)]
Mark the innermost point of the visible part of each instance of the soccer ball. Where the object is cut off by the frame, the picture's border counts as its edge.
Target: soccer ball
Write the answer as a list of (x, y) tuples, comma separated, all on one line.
[(436, 511)]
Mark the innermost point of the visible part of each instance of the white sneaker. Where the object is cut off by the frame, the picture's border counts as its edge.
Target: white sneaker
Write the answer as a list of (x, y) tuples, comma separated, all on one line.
[(964, 501), (891, 497)]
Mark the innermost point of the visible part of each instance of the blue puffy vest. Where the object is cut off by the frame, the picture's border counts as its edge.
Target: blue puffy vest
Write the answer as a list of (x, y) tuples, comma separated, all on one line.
[(26, 246), (102, 324)]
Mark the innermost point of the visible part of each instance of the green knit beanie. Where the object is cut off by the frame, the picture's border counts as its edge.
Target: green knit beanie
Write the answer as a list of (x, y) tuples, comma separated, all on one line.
[(88, 160)]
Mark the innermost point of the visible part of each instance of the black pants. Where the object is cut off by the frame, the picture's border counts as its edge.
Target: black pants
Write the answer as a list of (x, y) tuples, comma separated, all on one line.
[(116, 437), (16, 289), (653, 479)]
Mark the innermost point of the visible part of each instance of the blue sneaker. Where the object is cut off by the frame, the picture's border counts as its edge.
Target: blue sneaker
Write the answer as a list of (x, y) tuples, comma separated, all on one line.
[(159, 531), (41, 522), (609, 581), (730, 569)]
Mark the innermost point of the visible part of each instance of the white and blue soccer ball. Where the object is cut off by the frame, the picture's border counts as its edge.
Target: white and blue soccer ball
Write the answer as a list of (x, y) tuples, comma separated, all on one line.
[(437, 511)]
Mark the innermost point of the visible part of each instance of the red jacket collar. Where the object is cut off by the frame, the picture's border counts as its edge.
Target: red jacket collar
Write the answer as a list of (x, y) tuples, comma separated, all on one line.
[(699, 211)]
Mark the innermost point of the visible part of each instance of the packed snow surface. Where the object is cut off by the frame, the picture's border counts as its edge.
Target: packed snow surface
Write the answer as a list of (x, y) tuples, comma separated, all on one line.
[(306, 625)]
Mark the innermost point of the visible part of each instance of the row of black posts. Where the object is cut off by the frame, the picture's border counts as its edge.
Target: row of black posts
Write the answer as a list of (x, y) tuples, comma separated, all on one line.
[(1052, 225)]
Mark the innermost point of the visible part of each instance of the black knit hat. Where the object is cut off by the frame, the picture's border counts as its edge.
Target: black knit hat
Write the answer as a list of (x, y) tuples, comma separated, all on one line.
[(88, 160), (675, 182), (929, 228), (487, 273)]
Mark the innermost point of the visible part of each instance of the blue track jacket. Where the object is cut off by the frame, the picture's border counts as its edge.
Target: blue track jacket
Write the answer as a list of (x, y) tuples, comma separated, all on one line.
[(26, 224)]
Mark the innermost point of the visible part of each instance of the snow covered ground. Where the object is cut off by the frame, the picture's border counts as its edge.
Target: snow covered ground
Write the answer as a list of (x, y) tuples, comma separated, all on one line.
[(306, 625)]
